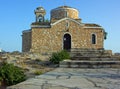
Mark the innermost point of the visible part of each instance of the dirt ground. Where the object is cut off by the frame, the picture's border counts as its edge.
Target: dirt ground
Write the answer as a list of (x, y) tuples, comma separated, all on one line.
[(31, 66)]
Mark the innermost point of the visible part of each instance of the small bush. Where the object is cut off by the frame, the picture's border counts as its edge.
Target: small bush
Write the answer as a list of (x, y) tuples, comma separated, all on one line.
[(11, 74), (37, 60), (59, 56), (38, 72)]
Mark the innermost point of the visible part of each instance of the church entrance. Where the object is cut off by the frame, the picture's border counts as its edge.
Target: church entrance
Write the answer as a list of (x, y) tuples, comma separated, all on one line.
[(67, 42)]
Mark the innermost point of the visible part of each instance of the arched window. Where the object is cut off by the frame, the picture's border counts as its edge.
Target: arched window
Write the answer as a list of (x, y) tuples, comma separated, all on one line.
[(40, 18), (66, 14), (93, 39), (67, 25)]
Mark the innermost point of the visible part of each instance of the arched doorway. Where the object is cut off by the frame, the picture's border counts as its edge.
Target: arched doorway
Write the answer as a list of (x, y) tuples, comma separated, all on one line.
[(67, 42)]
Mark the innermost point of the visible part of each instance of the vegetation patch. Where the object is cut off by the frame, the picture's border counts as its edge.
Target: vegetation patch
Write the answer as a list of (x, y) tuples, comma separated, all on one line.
[(38, 72), (10, 74), (59, 56)]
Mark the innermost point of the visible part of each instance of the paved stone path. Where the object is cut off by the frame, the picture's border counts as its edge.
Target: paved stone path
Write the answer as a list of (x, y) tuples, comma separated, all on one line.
[(74, 78)]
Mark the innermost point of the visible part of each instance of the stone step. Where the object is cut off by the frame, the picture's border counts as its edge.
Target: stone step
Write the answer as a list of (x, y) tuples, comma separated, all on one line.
[(89, 64), (82, 51), (85, 49), (95, 59), (87, 52), (90, 52), (91, 56)]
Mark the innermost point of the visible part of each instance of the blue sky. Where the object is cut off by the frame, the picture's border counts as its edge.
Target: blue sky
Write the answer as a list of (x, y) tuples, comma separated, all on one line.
[(17, 15)]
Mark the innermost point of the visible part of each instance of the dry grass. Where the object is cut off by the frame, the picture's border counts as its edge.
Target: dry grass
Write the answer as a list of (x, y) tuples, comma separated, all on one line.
[(33, 68), (32, 65)]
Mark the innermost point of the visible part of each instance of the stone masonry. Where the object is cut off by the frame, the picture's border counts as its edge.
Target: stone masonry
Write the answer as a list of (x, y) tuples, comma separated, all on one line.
[(64, 31)]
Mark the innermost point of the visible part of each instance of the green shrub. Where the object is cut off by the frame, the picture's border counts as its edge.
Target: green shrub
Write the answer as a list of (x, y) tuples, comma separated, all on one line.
[(59, 56), (38, 72), (11, 74)]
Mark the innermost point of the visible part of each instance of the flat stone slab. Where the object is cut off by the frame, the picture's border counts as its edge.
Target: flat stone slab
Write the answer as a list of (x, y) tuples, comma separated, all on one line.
[(74, 78), (89, 64)]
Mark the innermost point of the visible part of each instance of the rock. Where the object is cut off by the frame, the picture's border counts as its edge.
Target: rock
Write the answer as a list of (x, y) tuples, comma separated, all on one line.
[(74, 78)]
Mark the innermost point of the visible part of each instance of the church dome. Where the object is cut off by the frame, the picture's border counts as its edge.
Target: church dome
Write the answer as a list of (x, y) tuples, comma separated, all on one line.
[(64, 11)]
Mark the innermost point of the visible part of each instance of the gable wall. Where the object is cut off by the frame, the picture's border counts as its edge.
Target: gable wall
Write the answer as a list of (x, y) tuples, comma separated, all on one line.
[(51, 39)]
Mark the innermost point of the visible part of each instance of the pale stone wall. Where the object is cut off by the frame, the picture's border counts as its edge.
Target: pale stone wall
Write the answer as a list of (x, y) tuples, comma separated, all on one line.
[(40, 40), (62, 12), (51, 39), (99, 38), (26, 41)]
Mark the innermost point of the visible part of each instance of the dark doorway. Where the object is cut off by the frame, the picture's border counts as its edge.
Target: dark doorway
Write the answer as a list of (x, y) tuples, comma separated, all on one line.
[(67, 42)]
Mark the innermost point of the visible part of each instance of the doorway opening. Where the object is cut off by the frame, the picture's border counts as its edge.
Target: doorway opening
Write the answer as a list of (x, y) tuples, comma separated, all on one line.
[(67, 42)]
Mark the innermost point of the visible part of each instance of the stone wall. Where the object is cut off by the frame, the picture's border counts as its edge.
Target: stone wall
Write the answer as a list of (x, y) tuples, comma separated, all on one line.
[(64, 20), (26, 41), (51, 39), (62, 12), (99, 38)]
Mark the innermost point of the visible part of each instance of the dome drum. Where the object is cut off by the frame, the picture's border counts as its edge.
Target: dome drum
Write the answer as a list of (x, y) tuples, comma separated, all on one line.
[(64, 11)]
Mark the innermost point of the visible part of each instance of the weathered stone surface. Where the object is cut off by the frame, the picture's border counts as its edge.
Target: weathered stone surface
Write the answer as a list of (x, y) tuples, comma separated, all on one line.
[(89, 64), (63, 11), (50, 38), (74, 78)]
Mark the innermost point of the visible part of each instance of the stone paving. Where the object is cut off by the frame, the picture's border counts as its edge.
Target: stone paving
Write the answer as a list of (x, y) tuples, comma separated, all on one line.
[(74, 78)]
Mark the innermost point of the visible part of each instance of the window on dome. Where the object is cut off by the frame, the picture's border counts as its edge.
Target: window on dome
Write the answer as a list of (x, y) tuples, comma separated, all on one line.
[(66, 14)]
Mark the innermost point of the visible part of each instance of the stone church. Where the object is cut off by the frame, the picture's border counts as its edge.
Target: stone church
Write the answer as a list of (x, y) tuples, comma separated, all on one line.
[(65, 30)]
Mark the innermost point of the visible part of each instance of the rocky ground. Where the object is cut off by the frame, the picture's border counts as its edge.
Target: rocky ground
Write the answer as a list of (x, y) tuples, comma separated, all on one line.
[(33, 64), (52, 77), (73, 78)]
